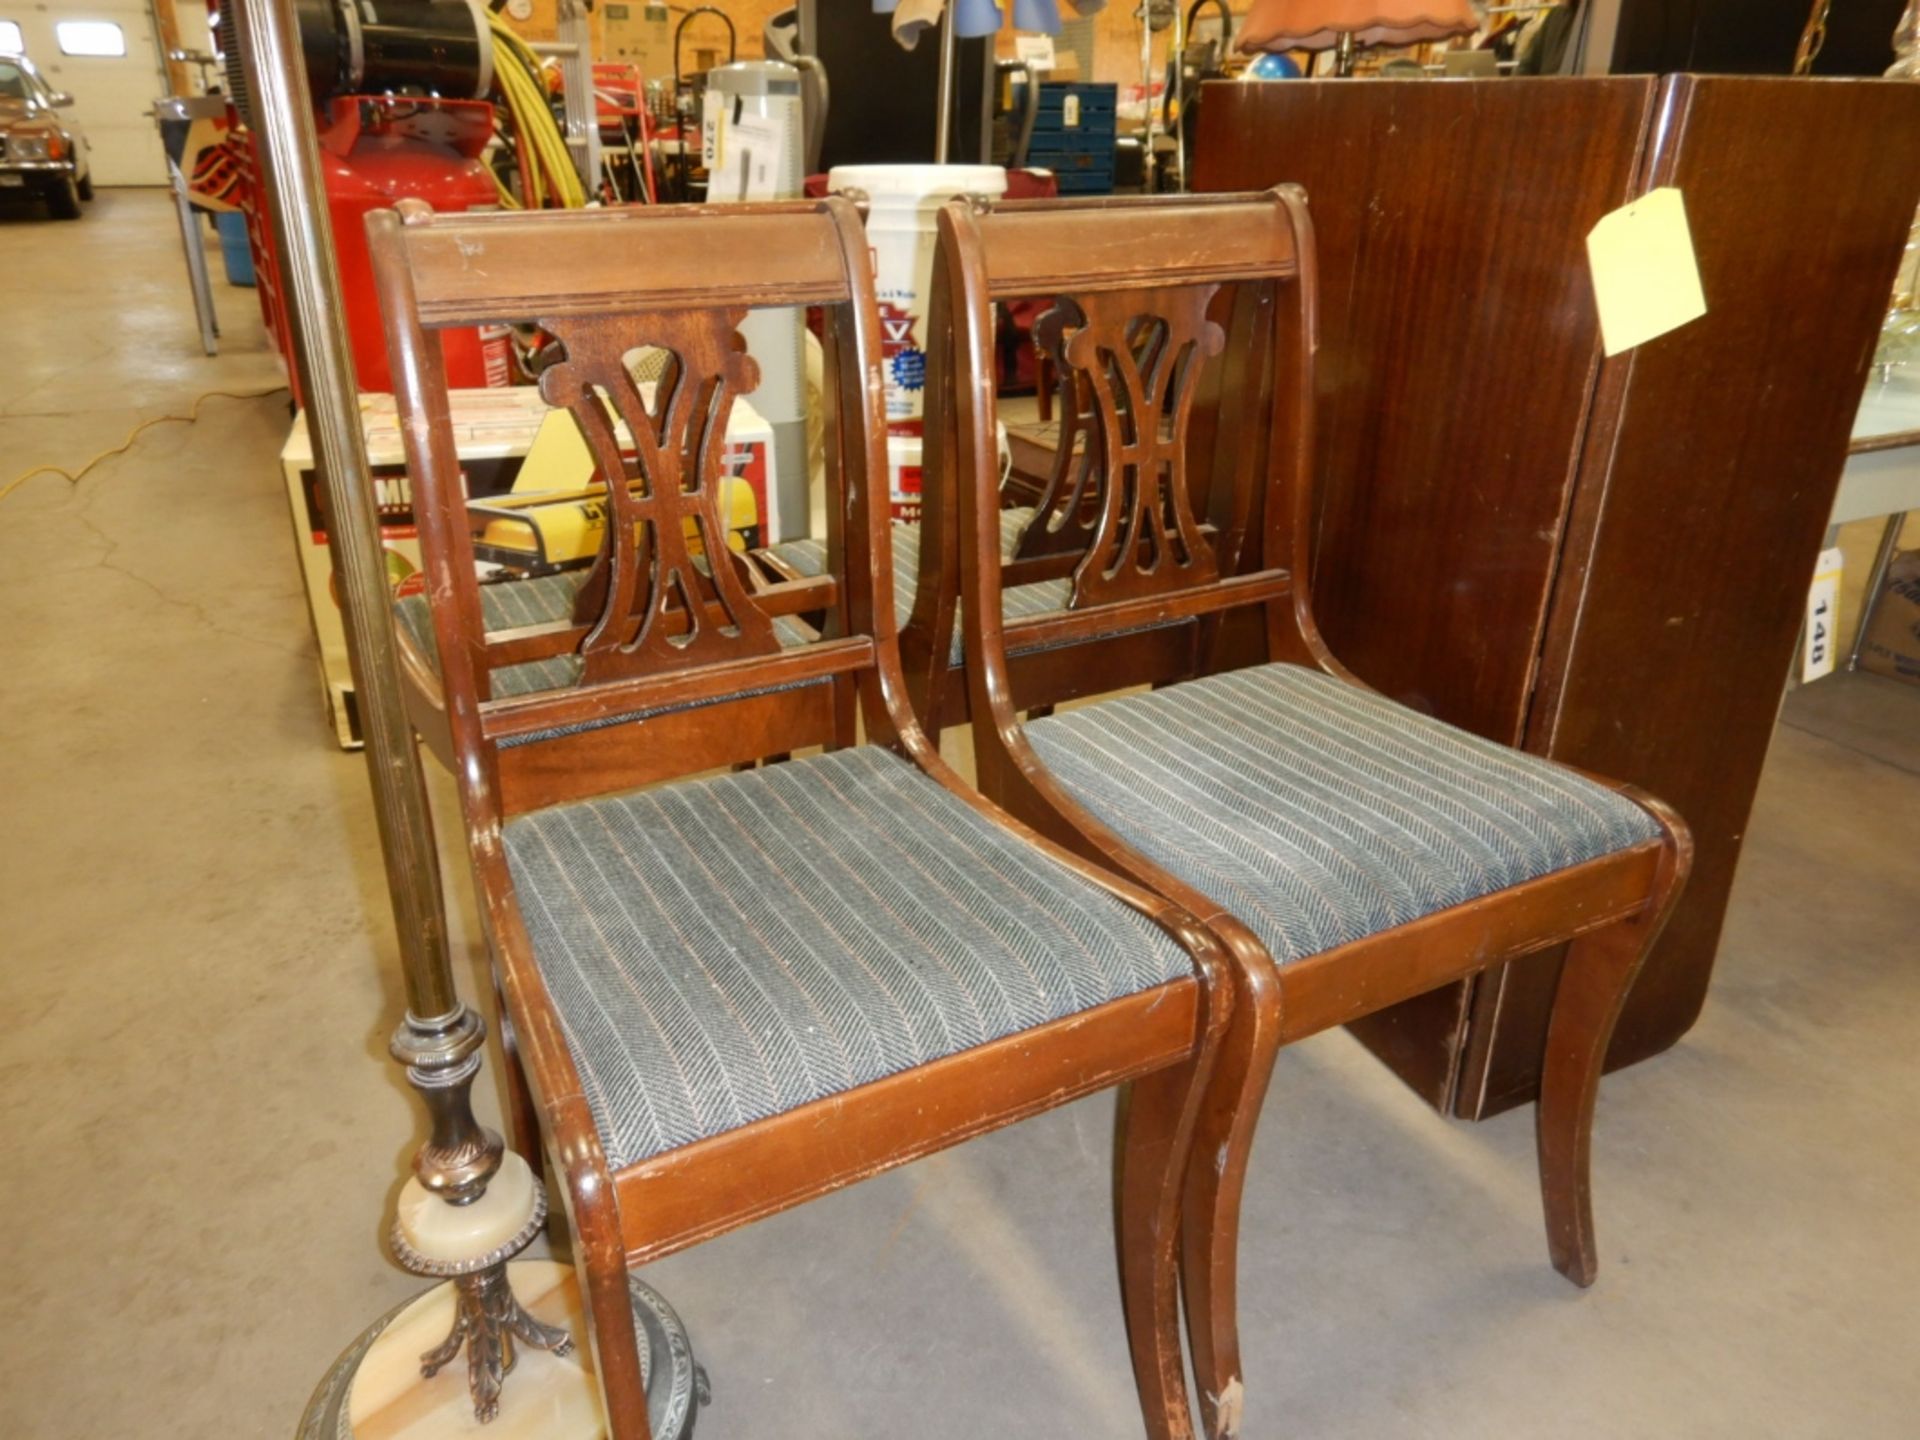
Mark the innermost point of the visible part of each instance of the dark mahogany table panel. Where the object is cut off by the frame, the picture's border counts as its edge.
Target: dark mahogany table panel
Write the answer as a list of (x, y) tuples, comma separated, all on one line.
[(1602, 560)]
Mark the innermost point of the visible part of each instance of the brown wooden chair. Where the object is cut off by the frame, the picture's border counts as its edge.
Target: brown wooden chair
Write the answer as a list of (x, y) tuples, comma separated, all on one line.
[(1348, 853), (730, 993)]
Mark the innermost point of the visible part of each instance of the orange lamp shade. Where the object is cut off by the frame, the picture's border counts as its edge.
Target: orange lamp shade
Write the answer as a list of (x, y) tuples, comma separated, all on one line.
[(1319, 24)]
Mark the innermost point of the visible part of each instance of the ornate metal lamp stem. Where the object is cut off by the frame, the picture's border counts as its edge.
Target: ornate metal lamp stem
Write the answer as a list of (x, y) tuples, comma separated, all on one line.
[(440, 1040), (442, 1057)]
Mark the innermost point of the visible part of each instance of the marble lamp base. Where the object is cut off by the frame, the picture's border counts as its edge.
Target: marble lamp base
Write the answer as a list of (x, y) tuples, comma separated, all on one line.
[(375, 1390)]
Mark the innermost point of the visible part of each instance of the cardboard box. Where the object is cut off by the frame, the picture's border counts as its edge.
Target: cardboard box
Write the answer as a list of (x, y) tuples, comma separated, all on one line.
[(637, 33), (1892, 642), (492, 431), (1823, 612)]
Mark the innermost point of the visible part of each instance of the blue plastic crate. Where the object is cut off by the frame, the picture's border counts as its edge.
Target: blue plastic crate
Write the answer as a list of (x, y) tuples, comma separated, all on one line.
[(1093, 108), (1090, 102), (1087, 183), (1092, 149), (1073, 163)]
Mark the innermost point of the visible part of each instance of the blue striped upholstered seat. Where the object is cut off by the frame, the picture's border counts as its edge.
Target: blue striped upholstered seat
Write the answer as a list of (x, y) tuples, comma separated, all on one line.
[(728, 949), (504, 605), (809, 557), (1319, 813)]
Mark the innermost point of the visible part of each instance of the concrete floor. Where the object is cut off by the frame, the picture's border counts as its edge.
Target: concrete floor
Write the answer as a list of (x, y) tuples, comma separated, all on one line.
[(205, 1135)]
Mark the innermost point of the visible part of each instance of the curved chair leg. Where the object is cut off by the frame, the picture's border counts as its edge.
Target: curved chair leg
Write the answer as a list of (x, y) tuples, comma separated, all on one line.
[(1216, 1178), (600, 1262), (616, 1351), (1155, 1128), (1599, 971)]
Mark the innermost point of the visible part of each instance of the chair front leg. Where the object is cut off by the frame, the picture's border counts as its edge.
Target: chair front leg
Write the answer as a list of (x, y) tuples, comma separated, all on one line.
[(600, 1260), (1155, 1125), (616, 1351), (1599, 970), (1216, 1179)]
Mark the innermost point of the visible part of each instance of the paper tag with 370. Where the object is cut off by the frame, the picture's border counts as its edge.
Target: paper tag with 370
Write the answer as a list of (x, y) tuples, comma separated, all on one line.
[(742, 153), (1646, 280)]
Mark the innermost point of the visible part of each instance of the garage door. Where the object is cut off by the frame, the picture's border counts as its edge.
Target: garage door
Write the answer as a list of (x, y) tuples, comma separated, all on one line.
[(105, 56)]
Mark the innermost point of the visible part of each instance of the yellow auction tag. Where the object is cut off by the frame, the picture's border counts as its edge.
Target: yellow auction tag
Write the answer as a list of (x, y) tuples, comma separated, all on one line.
[(1645, 278)]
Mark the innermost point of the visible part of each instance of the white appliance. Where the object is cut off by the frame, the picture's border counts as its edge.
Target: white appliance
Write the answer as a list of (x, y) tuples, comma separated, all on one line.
[(752, 134)]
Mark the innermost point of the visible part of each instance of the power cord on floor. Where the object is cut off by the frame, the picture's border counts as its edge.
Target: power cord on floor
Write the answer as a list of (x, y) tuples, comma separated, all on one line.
[(193, 413)]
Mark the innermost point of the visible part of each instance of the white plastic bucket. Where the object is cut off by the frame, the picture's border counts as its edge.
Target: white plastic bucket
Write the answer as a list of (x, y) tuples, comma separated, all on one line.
[(903, 475), (902, 202), (903, 471)]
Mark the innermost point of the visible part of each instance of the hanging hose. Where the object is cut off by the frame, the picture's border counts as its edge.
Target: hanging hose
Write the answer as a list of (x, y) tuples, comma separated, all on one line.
[(547, 175), (508, 200)]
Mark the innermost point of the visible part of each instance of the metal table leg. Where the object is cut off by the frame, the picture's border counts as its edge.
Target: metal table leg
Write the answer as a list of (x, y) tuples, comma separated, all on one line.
[(1876, 582), (196, 263)]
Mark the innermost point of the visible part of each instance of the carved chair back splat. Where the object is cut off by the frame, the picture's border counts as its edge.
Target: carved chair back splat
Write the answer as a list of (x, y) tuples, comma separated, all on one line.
[(1347, 853), (1136, 348), (675, 659), (1049, 540)]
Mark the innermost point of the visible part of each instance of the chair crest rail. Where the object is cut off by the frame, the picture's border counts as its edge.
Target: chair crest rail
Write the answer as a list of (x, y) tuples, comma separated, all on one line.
[(478, 269), (1031, 251)]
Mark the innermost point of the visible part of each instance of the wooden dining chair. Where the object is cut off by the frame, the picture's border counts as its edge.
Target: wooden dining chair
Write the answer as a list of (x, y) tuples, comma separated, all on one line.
[(732, 992), (1349, 853)]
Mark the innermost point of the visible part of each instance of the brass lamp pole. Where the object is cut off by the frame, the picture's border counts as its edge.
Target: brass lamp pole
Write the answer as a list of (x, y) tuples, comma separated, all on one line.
[(1812, 37), (441, 1037)]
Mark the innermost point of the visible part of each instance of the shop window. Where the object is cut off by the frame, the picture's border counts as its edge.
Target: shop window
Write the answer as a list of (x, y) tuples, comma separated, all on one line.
[(90, 37), (12, 42)]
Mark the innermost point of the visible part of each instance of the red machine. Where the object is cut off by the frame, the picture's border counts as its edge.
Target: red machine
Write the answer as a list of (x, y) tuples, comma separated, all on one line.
[(380, 143), (377, 151)]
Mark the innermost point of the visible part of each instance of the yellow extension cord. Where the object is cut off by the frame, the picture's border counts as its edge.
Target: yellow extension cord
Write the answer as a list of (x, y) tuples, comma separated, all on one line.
[(516, 71), (73, 477), (516, 76)]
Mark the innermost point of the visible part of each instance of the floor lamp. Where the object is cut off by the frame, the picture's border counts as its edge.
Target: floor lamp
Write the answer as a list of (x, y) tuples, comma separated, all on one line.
[(436, 1366)]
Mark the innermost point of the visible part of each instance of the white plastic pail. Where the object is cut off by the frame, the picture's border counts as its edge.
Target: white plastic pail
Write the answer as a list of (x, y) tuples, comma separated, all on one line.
[(902, 202)]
